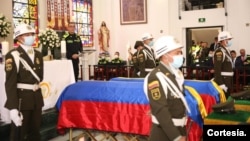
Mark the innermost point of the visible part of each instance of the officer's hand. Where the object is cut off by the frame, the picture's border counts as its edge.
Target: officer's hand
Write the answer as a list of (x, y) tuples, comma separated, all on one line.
[(16, 117), (183, 138), (75, 56), (223, 87)]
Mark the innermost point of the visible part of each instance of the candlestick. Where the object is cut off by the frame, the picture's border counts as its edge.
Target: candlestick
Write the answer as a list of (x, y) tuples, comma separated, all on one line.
[(63, 46), (5, 47), (63, 49)]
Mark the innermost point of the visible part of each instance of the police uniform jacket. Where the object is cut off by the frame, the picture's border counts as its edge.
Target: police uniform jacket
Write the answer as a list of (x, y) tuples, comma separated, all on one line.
[(135, 61), (73, 45), (103, 61), (116, 61), (146, 60), (165, 106), (30, 99), (222, 66)]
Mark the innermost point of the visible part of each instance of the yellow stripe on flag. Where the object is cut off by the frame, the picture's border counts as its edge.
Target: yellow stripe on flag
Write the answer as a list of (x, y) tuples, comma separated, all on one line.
[(221, 92), (201, 105)]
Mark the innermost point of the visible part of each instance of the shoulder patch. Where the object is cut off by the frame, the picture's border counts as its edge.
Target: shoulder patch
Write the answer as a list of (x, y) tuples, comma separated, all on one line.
[(140, 55), (8, 61), (152, 85), (155, 93), (219, 56), (218, 53), (8, 67)]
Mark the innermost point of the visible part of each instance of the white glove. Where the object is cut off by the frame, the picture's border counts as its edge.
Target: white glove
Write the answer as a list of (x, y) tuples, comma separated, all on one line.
[(223, 87), (16, 117)]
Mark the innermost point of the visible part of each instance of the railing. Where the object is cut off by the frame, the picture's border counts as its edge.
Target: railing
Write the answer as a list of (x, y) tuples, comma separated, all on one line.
[(106, 72), (241, 76)]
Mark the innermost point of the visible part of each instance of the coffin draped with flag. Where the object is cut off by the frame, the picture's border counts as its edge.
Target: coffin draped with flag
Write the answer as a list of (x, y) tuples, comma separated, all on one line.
[(120, 105)]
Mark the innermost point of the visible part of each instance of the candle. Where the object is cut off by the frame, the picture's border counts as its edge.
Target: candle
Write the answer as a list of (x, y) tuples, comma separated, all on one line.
[(5, 47), (63, 46)]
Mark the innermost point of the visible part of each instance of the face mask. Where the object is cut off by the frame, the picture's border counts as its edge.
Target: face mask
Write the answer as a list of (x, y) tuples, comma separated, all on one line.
[(151, 43), (229, 43), (177, 61), (29, 40)]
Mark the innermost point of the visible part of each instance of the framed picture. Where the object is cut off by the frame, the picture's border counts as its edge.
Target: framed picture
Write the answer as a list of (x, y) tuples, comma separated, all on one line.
[(133, 11)]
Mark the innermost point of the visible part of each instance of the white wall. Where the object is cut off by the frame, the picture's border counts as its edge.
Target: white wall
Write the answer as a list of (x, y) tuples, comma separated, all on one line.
[(163, 15), (109, 11)]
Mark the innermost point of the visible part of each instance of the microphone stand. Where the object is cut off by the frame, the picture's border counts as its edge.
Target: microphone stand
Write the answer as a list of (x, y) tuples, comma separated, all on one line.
[(128, 69)]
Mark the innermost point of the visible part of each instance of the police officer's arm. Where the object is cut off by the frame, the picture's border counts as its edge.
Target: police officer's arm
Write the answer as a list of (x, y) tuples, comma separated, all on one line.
[(218, 60), (142, 63), (80, 45), (160, 108), (11, 82), (41, 68)]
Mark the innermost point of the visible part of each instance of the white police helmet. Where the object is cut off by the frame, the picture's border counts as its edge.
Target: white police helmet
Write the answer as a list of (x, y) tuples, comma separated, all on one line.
[(224, 35), (22, 29), (146, 36), (165, 44)]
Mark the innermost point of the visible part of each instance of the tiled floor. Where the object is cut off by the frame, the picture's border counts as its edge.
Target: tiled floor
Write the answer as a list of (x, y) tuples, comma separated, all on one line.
[(79, 135)]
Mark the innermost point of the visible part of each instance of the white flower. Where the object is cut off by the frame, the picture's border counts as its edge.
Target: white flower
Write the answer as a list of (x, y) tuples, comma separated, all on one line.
[(48, 38), (4, 26)]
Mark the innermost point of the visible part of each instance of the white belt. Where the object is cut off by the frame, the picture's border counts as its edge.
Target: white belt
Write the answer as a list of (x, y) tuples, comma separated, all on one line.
[(33, 87), (148, 69), (227, 73), (177, 121)]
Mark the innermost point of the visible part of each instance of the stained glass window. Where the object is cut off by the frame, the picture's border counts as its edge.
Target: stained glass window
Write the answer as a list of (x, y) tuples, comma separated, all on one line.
[(61, 13), (83, 19), (25, 11)]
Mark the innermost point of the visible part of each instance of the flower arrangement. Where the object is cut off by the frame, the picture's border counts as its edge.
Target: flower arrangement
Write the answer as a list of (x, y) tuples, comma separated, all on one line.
[(4, 26), (48, 39)]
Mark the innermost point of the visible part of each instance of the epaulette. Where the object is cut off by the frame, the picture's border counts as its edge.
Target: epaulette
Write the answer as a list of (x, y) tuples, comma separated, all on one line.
[(66, 34)]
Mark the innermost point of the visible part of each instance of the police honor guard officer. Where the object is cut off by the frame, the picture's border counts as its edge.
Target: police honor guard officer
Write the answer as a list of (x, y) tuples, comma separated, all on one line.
[(73, 47), (163, 87), (146, 56), (135, 57), (223, 65), (24, 71)]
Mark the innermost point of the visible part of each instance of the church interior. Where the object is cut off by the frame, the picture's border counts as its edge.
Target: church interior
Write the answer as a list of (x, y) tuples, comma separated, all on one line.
[(100, 96)]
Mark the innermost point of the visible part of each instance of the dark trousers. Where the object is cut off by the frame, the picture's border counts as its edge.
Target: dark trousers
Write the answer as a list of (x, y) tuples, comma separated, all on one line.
[(76, 69), (157, 133), (228, 80), (30, 129)]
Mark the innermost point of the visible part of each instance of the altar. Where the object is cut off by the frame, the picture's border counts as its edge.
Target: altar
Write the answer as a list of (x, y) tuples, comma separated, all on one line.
[(58, 74)]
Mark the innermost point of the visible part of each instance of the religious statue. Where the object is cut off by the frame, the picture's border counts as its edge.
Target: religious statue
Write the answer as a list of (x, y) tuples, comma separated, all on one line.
[(103, 37)]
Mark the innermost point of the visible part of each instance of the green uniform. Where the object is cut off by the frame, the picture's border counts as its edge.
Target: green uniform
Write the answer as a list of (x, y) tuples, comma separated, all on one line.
[(146, 61), (116, 61), (164, 107), (223, 68), (135, 61), (31, 101), (73, 46), (103, 61)]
